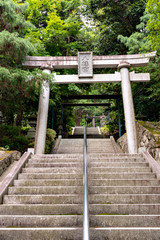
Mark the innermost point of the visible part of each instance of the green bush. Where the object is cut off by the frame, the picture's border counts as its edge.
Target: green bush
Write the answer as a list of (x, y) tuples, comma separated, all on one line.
[(50, 137), (105, 130), (12, 138)]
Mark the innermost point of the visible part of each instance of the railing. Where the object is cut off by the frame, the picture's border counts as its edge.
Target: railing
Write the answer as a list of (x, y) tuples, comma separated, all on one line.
[(85, 190)]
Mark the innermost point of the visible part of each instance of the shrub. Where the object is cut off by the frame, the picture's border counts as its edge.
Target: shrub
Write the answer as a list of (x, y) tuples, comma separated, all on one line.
[(105, 130), (50, 137), (12, 138)]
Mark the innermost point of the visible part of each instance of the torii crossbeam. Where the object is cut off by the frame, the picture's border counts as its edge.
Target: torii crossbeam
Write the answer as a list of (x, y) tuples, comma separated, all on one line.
[(85, 63)]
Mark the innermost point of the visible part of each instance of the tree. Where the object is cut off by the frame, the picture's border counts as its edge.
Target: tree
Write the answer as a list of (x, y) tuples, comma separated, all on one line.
[(18, 88), (146, 95), (153, 24), (114, 18)]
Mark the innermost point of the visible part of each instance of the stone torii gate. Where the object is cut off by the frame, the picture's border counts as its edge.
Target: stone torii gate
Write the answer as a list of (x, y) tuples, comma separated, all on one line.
[(85, 63), (94, 97)]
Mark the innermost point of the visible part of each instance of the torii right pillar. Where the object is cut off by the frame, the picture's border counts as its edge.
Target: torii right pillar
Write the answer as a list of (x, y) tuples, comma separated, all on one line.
[(128, 107)]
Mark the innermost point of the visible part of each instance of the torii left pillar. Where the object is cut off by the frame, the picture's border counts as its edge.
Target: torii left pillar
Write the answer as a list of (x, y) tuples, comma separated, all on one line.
[(41, 128)]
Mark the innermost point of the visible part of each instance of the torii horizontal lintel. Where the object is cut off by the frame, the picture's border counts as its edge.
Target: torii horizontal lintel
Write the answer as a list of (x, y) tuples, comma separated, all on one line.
[(135, 60), (101, 78), (111, 96), (85, 104)]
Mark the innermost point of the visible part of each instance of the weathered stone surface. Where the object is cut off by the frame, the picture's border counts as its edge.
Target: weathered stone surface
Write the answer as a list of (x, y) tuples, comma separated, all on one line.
[(7, 158), (147, 141)]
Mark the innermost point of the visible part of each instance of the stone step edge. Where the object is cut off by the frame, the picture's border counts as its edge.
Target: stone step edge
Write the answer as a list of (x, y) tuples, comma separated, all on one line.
[(53, 187), (74, 228), (79, 204), (75, 195), (75, 215)]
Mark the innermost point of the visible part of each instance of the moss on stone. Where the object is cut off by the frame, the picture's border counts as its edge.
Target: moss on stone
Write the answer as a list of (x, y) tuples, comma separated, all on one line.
[(152, 127), (9, 152)]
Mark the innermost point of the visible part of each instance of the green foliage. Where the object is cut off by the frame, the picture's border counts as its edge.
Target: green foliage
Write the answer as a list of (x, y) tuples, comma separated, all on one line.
[(59, 28), (137, 42), (11, 136), (12, 17), (50, 137), (24, 89), (13, 48), (13, 27), (118, 17), (153, 24), (146, 95), (105, 130)]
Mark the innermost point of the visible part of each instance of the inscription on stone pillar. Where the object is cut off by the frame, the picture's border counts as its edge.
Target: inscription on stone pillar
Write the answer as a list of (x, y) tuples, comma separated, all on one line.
[(85, 64)]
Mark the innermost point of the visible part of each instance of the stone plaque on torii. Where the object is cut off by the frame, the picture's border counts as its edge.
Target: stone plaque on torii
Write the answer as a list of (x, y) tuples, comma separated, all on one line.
[(85, 63)]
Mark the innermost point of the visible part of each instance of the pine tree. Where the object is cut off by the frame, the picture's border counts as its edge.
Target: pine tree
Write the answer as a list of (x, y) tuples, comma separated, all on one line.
[(17, 92)]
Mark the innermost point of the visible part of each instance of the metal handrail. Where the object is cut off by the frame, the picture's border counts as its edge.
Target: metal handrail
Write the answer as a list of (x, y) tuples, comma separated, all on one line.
[(85, 189)]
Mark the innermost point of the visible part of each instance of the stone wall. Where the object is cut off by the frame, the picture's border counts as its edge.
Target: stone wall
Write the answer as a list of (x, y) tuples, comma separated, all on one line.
[(147, 141), (6, 158)]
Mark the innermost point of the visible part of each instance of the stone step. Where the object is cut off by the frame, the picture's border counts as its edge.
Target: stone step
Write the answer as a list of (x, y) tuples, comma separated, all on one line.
[(51, 176), (39, 209), (119, 169), (100, 151), (103, 209), (41, 233), (116, 160), (62, 151), (91, 182), (55, 156), (71, 142), (99, 147), (90, 176), (90, 170), (52, 170), (77, 221), (48, 182), (104, 140), (114, 155), (73, 149), (77, 233), (123, 182), (102, 155), (79, 190), (78, 199), (91, 164), (54, 165), (124, 190), (123, 198), (124, 221), (117, 164), (45, 190), (80, 160), (41, 221), (43, 199)]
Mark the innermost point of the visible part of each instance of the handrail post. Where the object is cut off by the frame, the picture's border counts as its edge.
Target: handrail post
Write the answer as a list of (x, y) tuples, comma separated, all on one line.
[(85, 189)]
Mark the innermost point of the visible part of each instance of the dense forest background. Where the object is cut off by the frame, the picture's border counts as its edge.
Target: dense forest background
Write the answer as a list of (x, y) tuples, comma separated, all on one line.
[(62, 28)]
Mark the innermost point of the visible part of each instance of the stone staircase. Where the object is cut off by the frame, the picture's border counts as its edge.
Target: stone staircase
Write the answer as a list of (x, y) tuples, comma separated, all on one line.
[(46, 201), (70, 146), (92, 132)]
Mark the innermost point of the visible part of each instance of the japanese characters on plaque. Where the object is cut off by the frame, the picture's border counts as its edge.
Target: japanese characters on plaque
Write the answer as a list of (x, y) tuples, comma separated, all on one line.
[(85, 64)]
